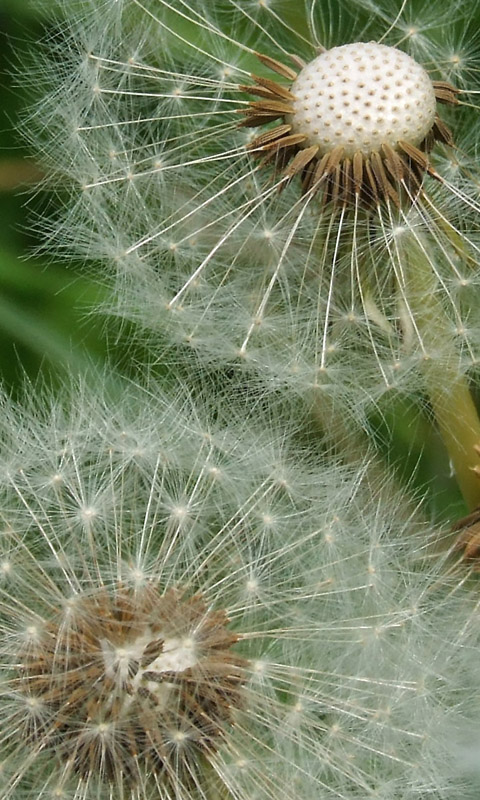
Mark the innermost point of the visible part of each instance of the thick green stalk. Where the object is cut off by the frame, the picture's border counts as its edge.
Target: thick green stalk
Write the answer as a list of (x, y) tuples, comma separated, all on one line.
[(447, 388)]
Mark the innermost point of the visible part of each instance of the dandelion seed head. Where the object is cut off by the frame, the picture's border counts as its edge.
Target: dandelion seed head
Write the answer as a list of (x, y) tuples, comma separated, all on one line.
[(251, 650), (260, 260), (179, 210), (364, 95), (356, 122), (115, 684)]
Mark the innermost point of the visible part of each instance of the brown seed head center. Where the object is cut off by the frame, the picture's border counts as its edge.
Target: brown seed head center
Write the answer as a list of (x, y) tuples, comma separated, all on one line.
[(130, 681)]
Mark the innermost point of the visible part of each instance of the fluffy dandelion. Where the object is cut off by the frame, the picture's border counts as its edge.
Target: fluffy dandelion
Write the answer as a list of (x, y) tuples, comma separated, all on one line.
[(356, 124), (284, 188), (186, 612)]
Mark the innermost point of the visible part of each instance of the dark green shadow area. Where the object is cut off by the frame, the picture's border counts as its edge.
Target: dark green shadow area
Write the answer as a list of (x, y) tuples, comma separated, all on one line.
[(46, 326)]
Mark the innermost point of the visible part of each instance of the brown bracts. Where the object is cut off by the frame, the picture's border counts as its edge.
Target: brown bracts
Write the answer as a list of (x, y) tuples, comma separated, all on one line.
[(354, 139)]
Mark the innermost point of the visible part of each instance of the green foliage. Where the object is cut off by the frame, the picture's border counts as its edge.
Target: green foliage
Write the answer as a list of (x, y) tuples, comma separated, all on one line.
[(43, 307)]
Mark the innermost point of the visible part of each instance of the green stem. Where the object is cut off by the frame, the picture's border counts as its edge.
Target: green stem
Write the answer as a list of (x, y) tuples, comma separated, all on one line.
[(459, 426), (342, 436), (447, 389)]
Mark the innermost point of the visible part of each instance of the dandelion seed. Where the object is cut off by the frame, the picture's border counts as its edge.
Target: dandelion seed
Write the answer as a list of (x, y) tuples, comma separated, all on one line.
[(360, 277), (254, 649), (306, 290)]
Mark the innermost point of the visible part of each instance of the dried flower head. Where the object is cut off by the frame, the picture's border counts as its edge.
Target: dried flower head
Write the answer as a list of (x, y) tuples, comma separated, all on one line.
[(122, 683), (188, 610)]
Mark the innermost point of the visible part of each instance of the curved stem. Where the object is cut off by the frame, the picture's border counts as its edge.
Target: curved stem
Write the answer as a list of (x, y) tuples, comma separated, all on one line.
[(447, 388), (343, 436)]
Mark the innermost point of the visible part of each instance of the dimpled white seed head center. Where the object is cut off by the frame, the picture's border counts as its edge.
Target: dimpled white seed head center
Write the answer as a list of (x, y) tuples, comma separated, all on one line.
[(361, 96)]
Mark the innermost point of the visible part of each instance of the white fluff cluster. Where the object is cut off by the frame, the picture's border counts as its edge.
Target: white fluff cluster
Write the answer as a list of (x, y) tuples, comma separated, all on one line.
[(205, 253), (357, 658), (224, 597)]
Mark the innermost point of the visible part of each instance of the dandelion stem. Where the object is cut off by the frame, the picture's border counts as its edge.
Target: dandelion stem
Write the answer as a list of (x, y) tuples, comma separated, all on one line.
[(459, 426), (447, 389), (352, 446)]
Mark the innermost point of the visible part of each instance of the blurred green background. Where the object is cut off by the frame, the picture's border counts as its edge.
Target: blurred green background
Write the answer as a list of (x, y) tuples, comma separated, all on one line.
[(46, 328)]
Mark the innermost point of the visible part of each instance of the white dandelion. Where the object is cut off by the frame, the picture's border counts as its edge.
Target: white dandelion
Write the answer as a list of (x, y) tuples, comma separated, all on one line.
[(284, 188), (186, 612)]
